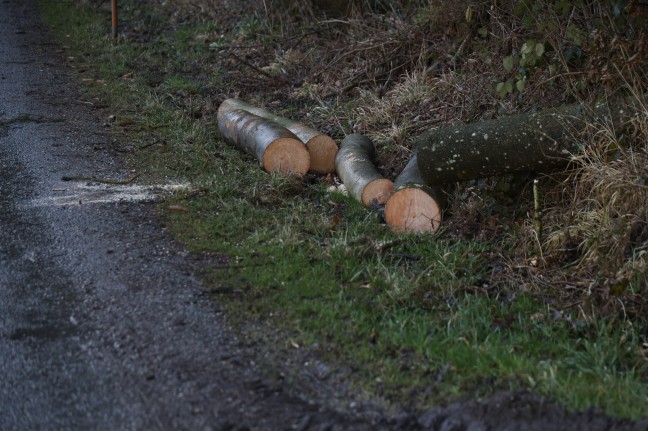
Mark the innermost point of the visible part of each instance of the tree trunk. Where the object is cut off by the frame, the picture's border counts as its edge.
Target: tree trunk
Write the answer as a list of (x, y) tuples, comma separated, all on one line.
[(538, 142), (322, 148), (354, 165), (275, 147), (413, 206)]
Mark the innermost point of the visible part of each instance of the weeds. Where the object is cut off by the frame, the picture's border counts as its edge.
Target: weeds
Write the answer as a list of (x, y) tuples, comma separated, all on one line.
[(478, 307)]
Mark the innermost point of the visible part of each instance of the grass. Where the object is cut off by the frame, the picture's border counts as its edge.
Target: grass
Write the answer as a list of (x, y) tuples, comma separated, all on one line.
[(414, 320)]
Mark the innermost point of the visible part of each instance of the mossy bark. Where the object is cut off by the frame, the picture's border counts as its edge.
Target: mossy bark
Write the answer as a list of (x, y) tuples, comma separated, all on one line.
[(538, 142), (354, 164), (322, 148)]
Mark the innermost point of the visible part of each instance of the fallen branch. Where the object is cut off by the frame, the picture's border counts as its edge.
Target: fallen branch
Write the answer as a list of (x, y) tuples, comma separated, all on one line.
[(274, 146), (321, 148), (354, 165), (413, 206)]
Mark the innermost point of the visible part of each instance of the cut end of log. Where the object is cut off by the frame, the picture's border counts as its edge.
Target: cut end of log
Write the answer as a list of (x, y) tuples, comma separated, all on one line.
[(377, 190), (412, 210), (287, 156), (322, 150)]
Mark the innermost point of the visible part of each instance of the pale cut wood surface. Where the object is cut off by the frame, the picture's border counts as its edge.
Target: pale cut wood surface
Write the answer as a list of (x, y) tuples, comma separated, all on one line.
[(321, 148), (355, 167)]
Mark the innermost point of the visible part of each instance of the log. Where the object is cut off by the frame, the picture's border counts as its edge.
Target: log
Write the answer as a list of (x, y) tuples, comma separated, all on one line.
[(322, 148), (413, 206), (355, 167), (539, 142), (274, 146)]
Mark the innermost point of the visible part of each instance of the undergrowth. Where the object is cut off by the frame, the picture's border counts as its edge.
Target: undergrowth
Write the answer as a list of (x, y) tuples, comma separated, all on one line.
[(490, 302)]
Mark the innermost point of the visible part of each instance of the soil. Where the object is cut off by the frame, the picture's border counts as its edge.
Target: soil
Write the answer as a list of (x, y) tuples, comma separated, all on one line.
[(104, 324)]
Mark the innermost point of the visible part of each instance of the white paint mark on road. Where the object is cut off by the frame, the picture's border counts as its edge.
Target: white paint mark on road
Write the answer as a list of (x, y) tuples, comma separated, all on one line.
[(94, 193)]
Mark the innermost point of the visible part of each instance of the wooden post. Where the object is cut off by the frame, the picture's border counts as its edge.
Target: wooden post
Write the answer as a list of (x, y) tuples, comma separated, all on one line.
[(114, 18)]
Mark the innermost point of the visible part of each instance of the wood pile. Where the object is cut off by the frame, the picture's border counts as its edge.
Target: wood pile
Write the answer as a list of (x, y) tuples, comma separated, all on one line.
[(538, 142)]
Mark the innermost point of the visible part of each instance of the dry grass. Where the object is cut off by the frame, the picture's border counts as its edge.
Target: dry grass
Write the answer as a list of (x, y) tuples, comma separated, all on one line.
[(602, 225), (399, 70)]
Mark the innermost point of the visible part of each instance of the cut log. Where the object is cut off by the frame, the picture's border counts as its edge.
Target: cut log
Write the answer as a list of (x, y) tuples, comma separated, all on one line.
[(274, 146), (413, 206), (538, 142), (355, 167), (322, 148)]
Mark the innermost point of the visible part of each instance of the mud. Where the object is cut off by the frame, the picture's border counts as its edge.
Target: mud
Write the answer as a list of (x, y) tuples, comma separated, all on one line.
[(103, 323)]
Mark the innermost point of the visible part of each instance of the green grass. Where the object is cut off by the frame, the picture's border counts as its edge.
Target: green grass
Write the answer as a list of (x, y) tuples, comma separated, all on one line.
[(412, 316)]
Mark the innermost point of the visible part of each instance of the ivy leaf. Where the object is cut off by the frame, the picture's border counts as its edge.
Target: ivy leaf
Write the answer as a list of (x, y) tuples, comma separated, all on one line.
[(520, 84), (499, 88), (508, 63), (528, 46), (539, 49), (504, 88)]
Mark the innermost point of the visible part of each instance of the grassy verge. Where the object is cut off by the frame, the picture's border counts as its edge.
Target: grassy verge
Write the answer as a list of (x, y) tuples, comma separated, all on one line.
[(415, 318)]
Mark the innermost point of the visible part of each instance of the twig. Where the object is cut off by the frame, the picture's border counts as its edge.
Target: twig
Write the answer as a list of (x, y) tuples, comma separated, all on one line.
[(560, 75), (263, 45), (303, 36), (150, 144), (384, 246), (537, 212), (453, 60), (256, 69), (361, 79), (225, 47)]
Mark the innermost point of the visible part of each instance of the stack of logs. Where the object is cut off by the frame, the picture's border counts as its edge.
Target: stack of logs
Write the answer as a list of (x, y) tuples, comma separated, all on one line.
[(537, 142)]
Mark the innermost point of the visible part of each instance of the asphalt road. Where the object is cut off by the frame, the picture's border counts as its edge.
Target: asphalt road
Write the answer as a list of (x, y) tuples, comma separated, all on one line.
[(103, 324)]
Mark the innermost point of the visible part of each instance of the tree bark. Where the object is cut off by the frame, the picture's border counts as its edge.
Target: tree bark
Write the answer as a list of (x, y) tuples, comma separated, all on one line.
[(355, 167), (413, 206), (274, 146), (322, 148), (538, 142)]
